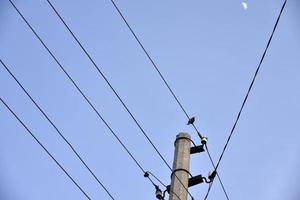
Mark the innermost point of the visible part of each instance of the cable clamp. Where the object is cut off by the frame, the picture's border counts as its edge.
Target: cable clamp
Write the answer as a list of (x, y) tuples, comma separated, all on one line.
[(180, 169)]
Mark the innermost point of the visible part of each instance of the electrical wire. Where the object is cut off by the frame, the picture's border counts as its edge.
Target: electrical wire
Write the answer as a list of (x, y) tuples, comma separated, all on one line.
[(208, 190), (171, 191), (251, 85), (167, 85), (109, 84), (57, 130), (221, 182), (81, 92), (45, 149), (112, 88), (176, 195), (149, 57), (157, 179)]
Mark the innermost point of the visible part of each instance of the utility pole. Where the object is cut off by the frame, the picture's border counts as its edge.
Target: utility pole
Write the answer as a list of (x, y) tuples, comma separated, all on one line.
[(181, 166), (180, 181)]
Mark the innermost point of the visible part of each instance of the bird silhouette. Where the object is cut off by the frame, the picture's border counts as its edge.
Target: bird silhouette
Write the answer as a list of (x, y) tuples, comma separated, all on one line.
[(191, 121)]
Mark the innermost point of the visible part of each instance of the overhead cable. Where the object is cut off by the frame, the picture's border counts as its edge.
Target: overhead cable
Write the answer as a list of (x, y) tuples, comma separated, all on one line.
[(112, 88), (57, 130), (167, 85), (45, 149), (250, 87), (81, 92)]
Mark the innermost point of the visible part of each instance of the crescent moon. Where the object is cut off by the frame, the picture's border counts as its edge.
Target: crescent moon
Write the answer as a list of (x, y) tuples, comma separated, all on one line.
[(245, 5)]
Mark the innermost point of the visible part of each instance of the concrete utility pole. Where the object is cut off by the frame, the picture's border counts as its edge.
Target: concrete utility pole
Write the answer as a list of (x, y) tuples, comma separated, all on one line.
[(181, 165)]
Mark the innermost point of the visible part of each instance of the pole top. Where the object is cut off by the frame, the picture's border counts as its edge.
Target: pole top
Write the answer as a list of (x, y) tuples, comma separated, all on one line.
[(183, 135)]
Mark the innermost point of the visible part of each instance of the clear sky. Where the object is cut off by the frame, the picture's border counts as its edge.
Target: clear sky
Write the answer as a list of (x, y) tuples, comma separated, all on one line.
[(207, 50)]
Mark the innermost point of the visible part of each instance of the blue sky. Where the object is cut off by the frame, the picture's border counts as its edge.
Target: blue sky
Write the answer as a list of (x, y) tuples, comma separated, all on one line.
[(208, 52)]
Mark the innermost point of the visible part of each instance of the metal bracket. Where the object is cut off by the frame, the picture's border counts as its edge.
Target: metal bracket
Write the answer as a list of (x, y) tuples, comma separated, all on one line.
[(192, 181), (195, 180), (197, 149)]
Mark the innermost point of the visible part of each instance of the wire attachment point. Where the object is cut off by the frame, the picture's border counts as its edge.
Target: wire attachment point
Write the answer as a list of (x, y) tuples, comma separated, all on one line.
[(212, 175), (204, 140), (146, 174), (158, 193)]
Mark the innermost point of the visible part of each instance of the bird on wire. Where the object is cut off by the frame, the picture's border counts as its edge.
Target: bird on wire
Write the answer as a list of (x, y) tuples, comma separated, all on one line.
[(191, 121)]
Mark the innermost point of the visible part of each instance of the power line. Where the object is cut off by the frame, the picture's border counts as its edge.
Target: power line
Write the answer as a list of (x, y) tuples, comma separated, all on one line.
[(218, 176), (168, 86), (106, 80), (109, 84), (149, 57), (155, 177), (251, 86), (57, 130), (81, 92), (171, 191), (111, 87), (208, 190), (45, 149)]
